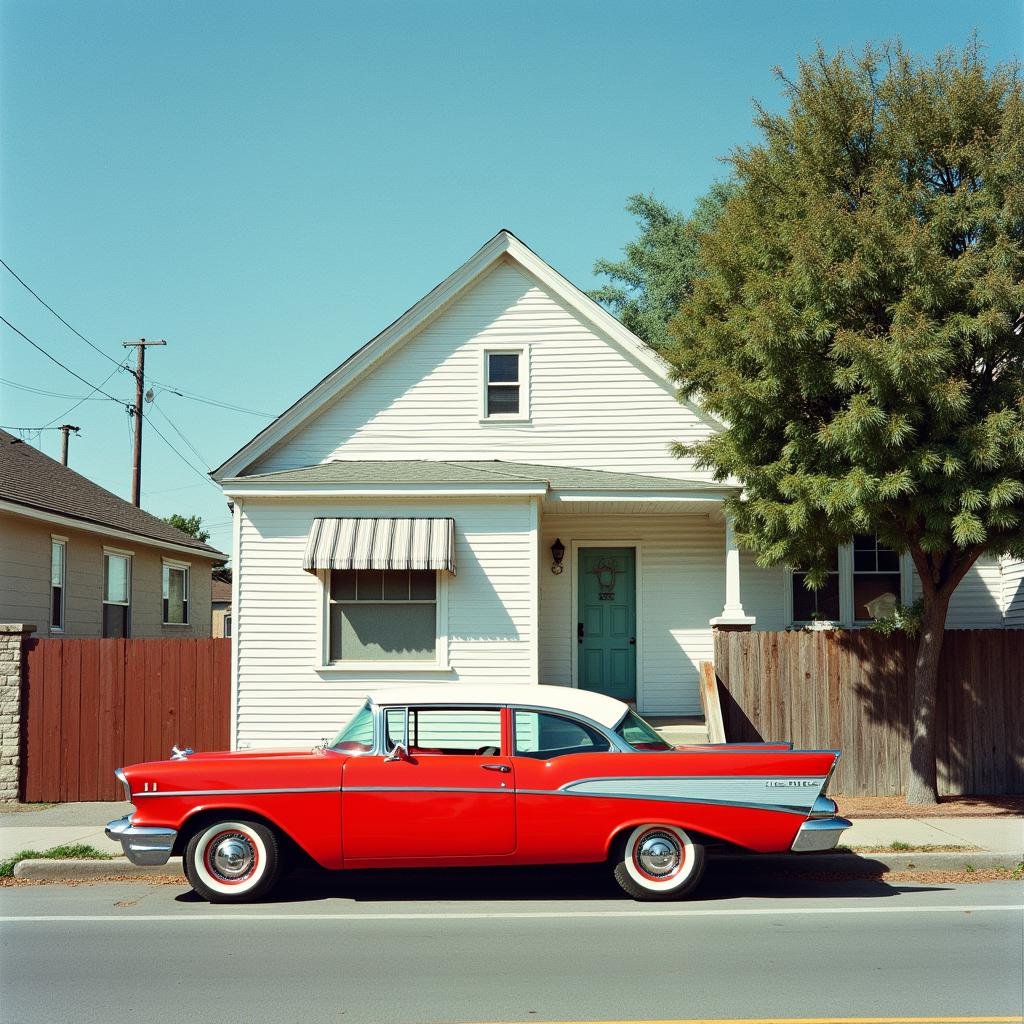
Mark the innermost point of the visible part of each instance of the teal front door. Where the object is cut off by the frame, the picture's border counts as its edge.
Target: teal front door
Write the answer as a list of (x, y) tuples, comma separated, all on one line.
[(606, 626)]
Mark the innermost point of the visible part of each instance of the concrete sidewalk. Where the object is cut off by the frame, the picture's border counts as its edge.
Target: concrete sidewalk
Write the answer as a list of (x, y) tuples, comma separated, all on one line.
[(32, 829)]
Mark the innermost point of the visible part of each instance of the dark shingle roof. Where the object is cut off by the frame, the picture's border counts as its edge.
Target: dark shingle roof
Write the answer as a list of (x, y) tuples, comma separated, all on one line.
[(30, 478), (494, 471)]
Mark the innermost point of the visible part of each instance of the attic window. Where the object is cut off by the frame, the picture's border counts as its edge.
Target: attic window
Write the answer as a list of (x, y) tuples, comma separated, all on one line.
[(506, 384)]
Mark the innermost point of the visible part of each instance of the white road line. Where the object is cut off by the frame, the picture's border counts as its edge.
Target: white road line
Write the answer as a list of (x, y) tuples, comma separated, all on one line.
[(499, 915)]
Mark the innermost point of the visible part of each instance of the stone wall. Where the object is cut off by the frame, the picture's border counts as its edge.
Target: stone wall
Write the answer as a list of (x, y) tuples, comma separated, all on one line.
[(12, 657)]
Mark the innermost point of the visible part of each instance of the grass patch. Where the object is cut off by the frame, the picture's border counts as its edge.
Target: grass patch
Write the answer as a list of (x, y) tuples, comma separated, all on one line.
[(70, 851), (899, 847)]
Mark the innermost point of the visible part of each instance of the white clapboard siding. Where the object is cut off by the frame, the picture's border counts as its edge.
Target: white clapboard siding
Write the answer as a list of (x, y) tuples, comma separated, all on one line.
[(977, 603), (284, 697), (591, 406), (1013, 592), (682, 586)]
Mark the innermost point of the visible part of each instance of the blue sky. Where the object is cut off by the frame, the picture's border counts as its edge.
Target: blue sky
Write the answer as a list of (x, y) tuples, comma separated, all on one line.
[(267, 186)]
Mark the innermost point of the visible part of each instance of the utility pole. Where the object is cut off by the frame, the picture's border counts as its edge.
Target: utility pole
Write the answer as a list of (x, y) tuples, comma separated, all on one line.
[(65, 429), (139, 372)]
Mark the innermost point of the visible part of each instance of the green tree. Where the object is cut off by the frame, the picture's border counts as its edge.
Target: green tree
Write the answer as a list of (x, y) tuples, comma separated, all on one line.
[(856, 324), (192, 525), (656, 274)]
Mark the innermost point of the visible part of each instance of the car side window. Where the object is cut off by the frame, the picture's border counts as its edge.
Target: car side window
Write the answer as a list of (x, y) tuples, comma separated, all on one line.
[(454, 731), (545, 736)]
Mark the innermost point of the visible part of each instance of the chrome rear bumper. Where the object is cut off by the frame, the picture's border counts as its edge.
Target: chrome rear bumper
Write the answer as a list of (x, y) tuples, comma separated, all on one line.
[(142, 844), (819, 834)]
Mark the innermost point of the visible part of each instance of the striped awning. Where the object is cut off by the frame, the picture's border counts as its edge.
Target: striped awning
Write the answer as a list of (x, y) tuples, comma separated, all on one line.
[(381, 544)]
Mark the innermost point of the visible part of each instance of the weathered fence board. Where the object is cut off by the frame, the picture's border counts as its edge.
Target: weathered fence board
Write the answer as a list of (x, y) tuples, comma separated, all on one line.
[(852, 690), (90, 706)]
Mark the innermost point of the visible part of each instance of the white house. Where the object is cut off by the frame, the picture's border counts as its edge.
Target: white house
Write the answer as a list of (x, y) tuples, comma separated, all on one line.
[(484, 493)]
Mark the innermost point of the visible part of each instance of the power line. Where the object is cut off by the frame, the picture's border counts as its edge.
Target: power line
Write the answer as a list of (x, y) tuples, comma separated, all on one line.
[(195, 451), (57, 315), (198, 472), (82, 401), (211, 401), (54, 359), (39, 391)]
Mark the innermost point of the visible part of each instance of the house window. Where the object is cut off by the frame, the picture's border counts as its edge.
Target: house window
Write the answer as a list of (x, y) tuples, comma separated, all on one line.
[(58, 572), (505, 384), (865, 582), (876, 578), (175, 586), (821, 605), (117, 590), (383, 615), (227, 624)]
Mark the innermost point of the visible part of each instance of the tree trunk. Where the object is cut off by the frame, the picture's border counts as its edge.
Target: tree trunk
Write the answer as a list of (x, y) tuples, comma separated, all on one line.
[(921, 786)]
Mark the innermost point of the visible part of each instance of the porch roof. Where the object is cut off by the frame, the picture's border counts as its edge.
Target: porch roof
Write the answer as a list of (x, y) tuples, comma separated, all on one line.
[(571, 482)]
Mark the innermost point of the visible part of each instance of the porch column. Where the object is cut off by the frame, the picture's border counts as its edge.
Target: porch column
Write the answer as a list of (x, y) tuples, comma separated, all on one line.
[(733, 616)]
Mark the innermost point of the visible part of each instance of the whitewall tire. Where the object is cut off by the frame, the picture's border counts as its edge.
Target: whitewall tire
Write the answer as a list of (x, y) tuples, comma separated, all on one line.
[(658, 862), (232, 861)]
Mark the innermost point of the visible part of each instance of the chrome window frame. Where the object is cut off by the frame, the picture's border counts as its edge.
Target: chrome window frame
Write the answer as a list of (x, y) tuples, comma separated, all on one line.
[(617, 744)]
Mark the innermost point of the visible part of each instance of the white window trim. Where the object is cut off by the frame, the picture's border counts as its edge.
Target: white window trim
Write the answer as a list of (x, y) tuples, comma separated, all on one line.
[(63, 541), (130, 557), (846, 618), (441, 656), (523, 351), (173, 563)]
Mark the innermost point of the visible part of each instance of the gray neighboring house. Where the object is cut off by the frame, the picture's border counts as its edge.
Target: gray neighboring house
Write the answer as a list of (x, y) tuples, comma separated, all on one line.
[(78, 561)]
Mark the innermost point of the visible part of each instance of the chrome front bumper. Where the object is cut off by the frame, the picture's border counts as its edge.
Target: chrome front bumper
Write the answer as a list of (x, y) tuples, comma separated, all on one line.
[(142, 844), (819, 834)]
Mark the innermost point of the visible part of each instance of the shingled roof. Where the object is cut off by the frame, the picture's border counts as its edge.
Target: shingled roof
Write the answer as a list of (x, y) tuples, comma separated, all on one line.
[(34, 480)]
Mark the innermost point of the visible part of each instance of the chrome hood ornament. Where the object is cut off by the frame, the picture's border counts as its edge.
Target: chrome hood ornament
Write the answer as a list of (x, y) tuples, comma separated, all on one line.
[(180, 755)]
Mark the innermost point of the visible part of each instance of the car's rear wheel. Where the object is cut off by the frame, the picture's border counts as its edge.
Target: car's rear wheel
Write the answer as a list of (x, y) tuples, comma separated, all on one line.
[(233, 861), (658, 862)]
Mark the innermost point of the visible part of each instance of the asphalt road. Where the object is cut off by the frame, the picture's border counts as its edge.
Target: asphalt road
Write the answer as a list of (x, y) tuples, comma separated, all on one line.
[(493, 946)]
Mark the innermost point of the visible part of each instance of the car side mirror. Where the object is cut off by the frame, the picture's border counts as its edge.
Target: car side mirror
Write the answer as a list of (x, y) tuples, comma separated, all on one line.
[(398, 753)]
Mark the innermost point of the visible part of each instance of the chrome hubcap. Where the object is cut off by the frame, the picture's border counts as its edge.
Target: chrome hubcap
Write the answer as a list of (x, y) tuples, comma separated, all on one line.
[(658, 854), (232, 857)]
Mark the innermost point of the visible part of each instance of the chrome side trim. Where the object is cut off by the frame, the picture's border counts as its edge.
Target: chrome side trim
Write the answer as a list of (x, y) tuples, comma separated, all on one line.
[(242, 792), (504, 791), (819, 834), (142, 844), (784, 808)]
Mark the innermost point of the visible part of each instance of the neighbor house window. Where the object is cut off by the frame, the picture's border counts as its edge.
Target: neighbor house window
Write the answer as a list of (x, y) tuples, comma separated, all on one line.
[(383, 615), (876, 578), (505, 384), (227, 624), (865, 582), (58, 574), (175, 594), (117, 590), (821, 605)]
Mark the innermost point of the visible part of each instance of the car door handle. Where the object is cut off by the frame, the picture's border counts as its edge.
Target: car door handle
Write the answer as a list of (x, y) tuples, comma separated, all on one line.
[(496, 767)]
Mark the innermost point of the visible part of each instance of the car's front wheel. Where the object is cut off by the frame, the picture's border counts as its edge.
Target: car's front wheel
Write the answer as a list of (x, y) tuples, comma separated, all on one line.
[(658, 862), (233, 861)]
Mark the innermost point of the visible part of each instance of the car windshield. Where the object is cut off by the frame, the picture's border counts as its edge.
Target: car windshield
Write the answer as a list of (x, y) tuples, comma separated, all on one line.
[(639, 735), (357, 736)]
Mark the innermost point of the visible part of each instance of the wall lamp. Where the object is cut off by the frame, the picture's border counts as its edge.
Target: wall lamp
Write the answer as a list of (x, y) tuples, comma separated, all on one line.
[(557, 553)]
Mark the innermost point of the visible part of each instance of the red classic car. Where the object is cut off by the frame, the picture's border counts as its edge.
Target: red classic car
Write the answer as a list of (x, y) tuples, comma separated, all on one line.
[(451, 776)]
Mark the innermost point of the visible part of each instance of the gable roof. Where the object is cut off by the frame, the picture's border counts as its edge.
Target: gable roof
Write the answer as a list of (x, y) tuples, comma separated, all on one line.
[(503, 246), (492, 471), (33, 481)]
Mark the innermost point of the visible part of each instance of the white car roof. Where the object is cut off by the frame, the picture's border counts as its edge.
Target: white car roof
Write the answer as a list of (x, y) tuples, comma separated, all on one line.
[(606, 711)]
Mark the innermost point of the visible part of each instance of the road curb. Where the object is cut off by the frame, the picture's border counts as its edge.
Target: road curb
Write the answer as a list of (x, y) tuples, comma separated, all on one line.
[(825, 863), (84, 870), (879, 863)]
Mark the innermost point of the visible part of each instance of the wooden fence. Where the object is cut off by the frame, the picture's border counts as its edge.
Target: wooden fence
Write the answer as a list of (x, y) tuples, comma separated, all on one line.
[(91, 706), (850, 689)]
